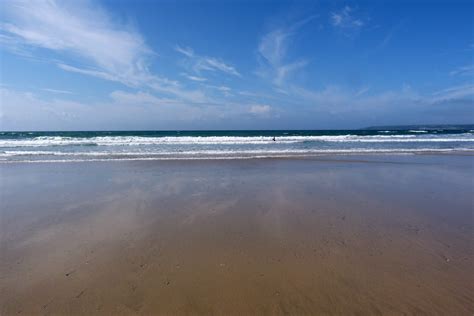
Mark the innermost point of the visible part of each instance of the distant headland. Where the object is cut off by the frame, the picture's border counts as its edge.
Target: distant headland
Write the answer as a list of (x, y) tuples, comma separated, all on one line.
[(422, 127)]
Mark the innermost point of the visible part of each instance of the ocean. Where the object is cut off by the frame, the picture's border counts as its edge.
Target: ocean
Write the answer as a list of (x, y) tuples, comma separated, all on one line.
[(183, 145)]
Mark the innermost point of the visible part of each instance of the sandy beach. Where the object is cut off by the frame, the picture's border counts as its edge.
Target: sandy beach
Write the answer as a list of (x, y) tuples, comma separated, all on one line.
[(345, 235)]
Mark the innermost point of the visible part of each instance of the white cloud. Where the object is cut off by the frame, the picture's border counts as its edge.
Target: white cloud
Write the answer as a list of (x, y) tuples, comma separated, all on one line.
[(194, 78), (273, 50), (186, 51), (331, 98), (90, 72), (465, 70), (140, 98), (84, 31), (122, 110), (283, 71), (223, 88), (273, 46), (344, 19), (260, 109), (325, 108), (57, 91), (362, 91), (23, 110), (203, 63), (220, 88), (339, 101), (459, 92), (213, 63)]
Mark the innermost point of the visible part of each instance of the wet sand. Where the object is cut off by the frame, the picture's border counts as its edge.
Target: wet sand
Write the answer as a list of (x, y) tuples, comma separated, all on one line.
[(334, 235)]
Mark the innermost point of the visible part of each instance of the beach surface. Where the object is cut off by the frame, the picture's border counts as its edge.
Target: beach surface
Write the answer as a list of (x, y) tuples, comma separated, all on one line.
[(335, 235)]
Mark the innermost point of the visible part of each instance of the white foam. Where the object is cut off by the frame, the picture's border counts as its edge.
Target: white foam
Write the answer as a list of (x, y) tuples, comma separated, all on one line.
[(210, 154), (225, 140), (223, 152)]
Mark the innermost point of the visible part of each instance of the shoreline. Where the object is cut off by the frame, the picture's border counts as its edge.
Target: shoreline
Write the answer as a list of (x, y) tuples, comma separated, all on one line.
[(311, 156)]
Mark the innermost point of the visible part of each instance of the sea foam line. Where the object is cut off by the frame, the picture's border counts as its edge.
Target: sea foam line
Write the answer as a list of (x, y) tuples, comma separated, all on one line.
[(249, 156), (225, 152), (226, 140)]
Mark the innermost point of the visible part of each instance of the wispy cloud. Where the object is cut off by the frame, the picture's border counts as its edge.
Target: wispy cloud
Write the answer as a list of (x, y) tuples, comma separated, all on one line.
[(224, 90), (345, 19), (57, 91), (273, 45), (465, 91), (389, 35), (215, 64), (220, 88), (90, 72), (85, 32), (186, 51), (283, 71), (272, 50), (82, 30), (467, 70), (337, 100), (204, 63), (194, 78), (260, 109), (362, 91), (122, 110), (140, 98)]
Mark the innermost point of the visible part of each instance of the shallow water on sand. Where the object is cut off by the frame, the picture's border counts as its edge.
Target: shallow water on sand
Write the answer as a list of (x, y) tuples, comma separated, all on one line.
[(334, 235)]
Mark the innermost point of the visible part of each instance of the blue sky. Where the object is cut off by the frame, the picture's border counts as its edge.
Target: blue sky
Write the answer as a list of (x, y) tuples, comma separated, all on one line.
[(118, 65)]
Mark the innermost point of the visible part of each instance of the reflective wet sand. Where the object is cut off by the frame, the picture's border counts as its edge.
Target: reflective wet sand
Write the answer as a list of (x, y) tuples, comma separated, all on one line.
[(332, 235)]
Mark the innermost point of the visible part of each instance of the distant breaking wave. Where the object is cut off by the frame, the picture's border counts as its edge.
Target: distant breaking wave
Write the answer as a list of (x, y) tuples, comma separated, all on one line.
[(106, 146), (209, 140)]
